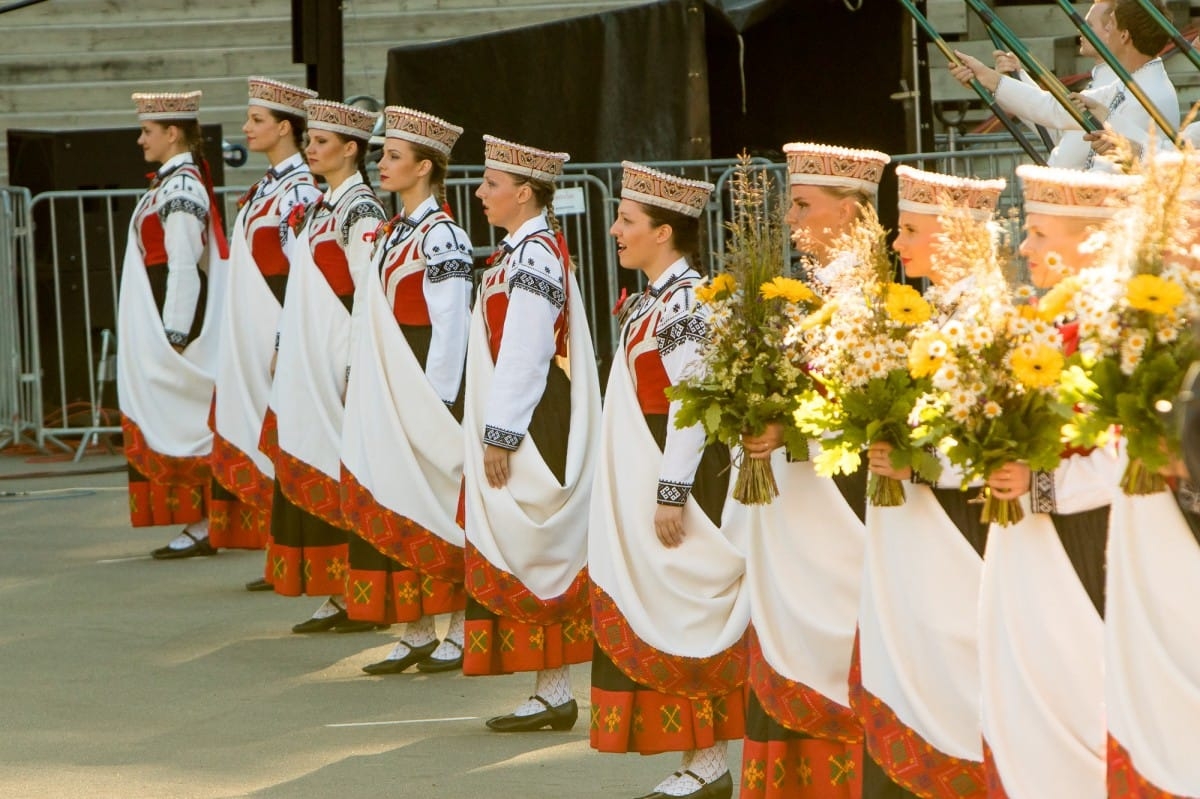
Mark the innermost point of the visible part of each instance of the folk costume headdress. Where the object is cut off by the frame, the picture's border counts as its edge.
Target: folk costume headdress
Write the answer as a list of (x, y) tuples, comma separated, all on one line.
[(519, 159), (837, 167), (167, 105), (348, 120), (278, 96), (645, 185), (420, 128), (937, 194), (1069, 192)]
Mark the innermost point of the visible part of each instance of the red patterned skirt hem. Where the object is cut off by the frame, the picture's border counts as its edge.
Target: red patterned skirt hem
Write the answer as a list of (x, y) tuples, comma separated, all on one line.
[(651, 722), (801, 768), (670, 674), (797, 706), (905, 756), (1124, 780), (396, 536), (239, 475), (505, 595)]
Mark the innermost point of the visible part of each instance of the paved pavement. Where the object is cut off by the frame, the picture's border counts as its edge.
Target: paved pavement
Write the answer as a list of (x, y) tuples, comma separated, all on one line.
[(125, 677)]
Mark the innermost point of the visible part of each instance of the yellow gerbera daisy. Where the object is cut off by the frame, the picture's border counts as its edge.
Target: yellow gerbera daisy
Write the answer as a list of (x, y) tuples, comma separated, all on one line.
[(786, 288), (1154, 294), (1037, 367), (906, 305), (922, 362), (1057, 300), (718, 288)]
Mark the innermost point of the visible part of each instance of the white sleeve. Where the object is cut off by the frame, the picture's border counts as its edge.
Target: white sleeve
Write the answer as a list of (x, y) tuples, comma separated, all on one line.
[(1039, 107), (536, 297), (681, 336), (1131, 119), (447, 287), (184, 216), (1081, 482)]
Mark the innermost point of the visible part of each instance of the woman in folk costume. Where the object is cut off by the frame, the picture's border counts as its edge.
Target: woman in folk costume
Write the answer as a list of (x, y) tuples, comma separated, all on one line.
[(915, 685), (243, 477), (804, 573), (667, 603), (401, 440), (168, 323), (303, 426), (1152, 630), (531, 422), (1041, 628)]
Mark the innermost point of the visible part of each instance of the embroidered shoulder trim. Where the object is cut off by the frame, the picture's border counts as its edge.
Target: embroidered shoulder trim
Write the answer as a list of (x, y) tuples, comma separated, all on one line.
[(1041, 493), (535, 284), (448, 269), (684, 329), (184, 205), (673, 493), (499, 437), (359, 211)]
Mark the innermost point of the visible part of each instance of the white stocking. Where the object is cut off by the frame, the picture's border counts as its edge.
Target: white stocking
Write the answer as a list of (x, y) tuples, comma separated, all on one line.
[(553, 685), (448, 650), (330, 607)]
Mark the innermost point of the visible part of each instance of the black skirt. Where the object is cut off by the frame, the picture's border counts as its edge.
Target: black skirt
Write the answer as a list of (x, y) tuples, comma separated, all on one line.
[(853, 487), (965, 513), (157, 275), (419, 338), (1084, 537), (551, 422)]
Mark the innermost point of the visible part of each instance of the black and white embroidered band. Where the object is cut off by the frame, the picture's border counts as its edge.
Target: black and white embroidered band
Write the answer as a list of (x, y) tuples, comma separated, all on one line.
[(499, 437), (360, 210), (184, 205), (534, 284), (675, 494), (175, 338), (686, 328), (1041, 493), (448, 269)]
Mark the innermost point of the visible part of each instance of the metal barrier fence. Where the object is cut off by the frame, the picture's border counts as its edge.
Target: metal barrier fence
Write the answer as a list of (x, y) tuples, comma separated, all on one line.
[(20, 385), (67, 276)]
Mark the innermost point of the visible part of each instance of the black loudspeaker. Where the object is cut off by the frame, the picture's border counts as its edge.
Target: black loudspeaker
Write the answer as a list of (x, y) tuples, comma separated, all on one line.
[(89, 237)]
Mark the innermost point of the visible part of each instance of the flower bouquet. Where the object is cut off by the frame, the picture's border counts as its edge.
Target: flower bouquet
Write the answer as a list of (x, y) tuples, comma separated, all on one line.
[(748, 378), (999, 393), (858, 348), (1135, 310)]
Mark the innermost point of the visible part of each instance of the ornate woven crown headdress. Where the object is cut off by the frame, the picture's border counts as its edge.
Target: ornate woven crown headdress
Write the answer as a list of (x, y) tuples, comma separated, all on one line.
[(825, 165), (348, 120), (1069, 192), (278, 96), (645, 185), (929, 192), (421, 128), (520, 159), (167, 105)]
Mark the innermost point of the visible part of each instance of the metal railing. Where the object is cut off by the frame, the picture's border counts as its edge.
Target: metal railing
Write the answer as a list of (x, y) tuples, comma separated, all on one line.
[(20, 382), (67, 275)]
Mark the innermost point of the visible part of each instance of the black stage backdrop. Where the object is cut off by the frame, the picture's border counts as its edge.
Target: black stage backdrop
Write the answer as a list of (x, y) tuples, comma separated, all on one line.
[(664, 80)]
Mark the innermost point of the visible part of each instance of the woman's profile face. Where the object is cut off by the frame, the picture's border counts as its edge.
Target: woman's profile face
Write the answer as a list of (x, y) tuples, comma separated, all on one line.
[(916, 243), (638, 240), (1051, 246), (498, 192), (816, 217), (328, 153), (156, 142), (262, 130), (399, 167)]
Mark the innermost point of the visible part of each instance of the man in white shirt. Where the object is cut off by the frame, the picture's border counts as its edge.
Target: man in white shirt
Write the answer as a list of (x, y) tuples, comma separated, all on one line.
[(1134, 38)]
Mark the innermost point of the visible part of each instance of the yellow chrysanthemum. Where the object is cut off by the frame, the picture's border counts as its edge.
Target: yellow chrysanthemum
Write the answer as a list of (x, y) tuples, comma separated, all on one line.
[(786, 288), (906, 305), (925, 358), (1057, 300), (718, 288), (1037, 367), (1154, 294)]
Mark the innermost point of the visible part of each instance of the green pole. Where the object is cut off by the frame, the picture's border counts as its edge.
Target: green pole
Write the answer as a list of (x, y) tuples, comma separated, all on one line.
[(983, 93), (1183, 44), (1122, 73)]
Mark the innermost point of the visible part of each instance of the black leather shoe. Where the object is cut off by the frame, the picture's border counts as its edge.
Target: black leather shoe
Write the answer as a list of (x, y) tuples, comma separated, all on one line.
[(198, 549), (720, 788), (432, 665), (356, 626), (396, 665), (559, 718), (320, 625), (259, 585)]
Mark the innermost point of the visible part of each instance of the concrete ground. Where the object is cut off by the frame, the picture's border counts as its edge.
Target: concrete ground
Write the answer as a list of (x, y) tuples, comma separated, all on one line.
[(125, 677)]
